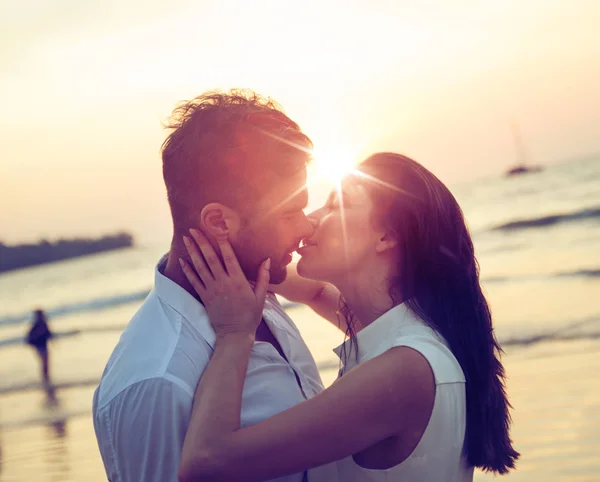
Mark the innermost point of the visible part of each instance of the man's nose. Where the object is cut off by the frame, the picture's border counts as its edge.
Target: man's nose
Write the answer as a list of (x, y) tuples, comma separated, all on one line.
[(314, 218), (309, 226), (314, 221)]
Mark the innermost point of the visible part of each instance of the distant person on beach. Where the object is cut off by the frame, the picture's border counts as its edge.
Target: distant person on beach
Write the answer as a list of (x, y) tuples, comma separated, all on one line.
[(420, 396), (233, 163), (38, 337)]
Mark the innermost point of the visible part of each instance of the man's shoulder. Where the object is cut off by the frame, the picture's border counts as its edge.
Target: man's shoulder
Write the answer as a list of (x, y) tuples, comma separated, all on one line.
[(158, 345)]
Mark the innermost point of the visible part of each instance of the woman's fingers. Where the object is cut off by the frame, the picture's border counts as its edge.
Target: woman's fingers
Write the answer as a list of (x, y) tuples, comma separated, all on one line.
[(192, 277), (200, 266), (262, 282), (208, 267), (230, 260), (211, 258)]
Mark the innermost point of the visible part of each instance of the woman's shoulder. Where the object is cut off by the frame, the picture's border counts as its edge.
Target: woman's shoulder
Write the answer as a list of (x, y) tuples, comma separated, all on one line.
[(432, 346)]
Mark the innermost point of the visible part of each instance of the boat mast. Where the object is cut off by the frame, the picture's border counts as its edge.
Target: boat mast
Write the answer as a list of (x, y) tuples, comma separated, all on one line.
[(520, 148)]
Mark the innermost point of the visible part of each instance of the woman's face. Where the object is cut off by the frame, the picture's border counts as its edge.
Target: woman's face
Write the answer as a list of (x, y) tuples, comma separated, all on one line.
[(346, 237)]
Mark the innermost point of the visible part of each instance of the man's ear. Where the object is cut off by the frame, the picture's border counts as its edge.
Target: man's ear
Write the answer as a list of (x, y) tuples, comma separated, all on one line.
[(388, 240), (219, 220)]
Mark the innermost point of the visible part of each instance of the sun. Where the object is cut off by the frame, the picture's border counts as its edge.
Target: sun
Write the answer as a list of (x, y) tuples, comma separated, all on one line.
[(334, 162)]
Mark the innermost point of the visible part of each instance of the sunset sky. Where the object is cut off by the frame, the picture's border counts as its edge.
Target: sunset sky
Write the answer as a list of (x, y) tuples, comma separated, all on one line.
[(84, 86)]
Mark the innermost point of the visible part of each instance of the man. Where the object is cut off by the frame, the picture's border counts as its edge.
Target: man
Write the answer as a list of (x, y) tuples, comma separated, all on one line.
[(231, 159)]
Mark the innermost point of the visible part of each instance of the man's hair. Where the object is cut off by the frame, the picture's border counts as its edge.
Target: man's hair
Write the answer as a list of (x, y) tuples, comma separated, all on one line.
[(224, 148)]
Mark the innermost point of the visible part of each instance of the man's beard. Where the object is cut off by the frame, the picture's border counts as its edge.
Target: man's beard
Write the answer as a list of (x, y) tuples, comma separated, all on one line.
[(246, 254), (278, 274), (247, 248)]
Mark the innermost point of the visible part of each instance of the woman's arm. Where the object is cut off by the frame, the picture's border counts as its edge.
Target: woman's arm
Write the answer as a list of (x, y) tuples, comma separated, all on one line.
[(390, 395), (323, 298), (383, 397)]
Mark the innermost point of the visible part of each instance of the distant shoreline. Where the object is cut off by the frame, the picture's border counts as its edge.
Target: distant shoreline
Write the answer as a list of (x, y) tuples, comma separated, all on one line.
[(25, 255)]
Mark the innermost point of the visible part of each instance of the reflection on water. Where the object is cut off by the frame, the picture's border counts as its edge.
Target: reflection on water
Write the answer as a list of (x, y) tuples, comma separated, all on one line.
[(48, 440), (57, 421), (60, 428), (55, 452)]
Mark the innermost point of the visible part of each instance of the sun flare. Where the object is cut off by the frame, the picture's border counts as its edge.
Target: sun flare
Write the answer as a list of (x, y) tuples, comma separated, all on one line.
[(334, 162)]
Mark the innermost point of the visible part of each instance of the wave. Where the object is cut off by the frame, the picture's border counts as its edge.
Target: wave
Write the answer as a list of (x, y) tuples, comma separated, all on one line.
[(20, 340), (578, 273), (500, 248), (103, 303), (550, 220), (36, 385), (586, 273), (530, 340), (95, 304), (495, 279), (56, 335), (565, 332), (55, 417)]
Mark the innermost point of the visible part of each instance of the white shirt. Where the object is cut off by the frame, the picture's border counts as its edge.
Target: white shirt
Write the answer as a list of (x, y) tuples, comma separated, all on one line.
[(142, 406), (439, 456)]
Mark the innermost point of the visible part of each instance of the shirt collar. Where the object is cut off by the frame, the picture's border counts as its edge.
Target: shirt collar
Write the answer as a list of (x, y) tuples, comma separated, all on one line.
[(183, 302), (192, 310), (379, 332)]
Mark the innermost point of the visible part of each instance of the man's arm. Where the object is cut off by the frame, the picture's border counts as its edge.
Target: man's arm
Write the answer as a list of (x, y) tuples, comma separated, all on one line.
[(141, 431)]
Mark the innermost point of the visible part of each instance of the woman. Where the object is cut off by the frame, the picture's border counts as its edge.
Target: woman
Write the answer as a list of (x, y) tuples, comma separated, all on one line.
[(421, 396)]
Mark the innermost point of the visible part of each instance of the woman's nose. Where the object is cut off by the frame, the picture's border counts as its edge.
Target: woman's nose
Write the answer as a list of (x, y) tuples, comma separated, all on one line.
[(314, 222)]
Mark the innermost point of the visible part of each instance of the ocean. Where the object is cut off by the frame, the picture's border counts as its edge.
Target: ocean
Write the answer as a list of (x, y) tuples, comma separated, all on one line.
[(537, 238)]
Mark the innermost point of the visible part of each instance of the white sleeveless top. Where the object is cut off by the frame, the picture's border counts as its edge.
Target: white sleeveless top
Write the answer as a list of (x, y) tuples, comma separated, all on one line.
[(439, 456)]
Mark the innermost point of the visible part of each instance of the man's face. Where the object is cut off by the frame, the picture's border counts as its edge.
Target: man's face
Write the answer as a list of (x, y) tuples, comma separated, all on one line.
[(275, 228)]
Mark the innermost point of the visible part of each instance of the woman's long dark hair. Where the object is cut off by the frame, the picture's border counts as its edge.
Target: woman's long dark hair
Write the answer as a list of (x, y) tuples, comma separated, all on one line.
[(439, 281)]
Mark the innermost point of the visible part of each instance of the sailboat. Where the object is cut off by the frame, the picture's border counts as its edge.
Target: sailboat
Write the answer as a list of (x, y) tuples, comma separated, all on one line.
[(522, 166)]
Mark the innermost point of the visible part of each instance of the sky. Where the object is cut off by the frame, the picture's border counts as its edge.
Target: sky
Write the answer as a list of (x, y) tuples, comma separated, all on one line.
[(85, 87)]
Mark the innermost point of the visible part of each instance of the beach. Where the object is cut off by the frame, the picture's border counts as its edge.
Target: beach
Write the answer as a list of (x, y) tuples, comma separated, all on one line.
[(537, 239), (554, 387)]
